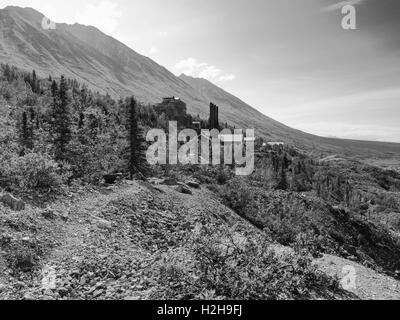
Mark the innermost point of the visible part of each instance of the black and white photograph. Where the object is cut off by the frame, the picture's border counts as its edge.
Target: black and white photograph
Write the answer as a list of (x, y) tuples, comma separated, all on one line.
[(219, 152)]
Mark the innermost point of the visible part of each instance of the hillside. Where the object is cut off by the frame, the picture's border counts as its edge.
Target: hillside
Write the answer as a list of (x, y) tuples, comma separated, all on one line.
[(123, 242), (135, 241), (105, 64), (176, 232), (149, 252)]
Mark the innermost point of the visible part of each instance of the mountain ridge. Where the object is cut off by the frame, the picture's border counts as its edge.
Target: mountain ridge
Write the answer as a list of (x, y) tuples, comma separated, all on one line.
[(109, 66)]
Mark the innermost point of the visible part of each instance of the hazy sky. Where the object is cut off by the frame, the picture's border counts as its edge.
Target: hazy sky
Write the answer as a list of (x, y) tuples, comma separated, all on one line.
[(290, 59)]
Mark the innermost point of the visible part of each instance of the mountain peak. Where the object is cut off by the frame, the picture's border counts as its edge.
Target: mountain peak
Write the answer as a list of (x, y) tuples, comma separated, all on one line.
[(204, 82), (27, 12), (185, 76)]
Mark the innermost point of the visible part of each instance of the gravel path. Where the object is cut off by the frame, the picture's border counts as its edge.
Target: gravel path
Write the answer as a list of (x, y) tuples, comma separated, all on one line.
[(365, 283)]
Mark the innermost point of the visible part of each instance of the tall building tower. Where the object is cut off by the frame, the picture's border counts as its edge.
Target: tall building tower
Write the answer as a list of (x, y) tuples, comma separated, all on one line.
[(214, 116)]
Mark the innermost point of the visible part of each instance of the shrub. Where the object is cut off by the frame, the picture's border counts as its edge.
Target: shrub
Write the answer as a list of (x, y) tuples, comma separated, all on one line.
[(224, 265), (236, 196), (36, 172), (212, 175), (223, 175), (309, 242), (22, 257), (250, 270), (174, 276), (6, 91)]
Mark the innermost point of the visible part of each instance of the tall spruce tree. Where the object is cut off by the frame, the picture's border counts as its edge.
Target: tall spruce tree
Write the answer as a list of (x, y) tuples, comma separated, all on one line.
[(282, 180), (54, 89), (26, 133), (61, 121), (34, 84), (137, 150), (7, 72)]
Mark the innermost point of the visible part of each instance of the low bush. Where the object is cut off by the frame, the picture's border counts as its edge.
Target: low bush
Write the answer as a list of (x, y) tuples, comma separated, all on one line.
[(227, 266), (236, 196), (22, 256), (35, 172), (249, 269), (310, 242)]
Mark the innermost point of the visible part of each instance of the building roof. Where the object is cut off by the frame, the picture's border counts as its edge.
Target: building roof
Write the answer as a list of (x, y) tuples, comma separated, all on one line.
[(172, 98)]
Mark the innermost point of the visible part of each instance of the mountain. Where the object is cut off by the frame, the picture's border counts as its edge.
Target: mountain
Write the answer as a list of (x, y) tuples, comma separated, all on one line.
[(107, 65), (238, 112)]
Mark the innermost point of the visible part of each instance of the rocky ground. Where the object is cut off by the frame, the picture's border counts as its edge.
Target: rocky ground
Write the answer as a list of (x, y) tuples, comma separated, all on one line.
[(106, 243)]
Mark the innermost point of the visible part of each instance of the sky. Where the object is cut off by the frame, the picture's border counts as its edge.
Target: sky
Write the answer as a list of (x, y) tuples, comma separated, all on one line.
[(290, 59)]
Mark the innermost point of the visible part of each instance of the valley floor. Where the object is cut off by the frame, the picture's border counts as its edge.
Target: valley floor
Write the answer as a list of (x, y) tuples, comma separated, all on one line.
[(102, 249)]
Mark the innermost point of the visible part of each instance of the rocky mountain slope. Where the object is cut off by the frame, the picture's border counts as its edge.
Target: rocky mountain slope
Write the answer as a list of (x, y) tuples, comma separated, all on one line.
[(88, 55), (136, 241), (116, 243)]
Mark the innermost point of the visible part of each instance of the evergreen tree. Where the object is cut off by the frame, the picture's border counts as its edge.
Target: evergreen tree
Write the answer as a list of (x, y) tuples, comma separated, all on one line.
[(282, 180), (61, 122), (137, 150), (34, 84), (26, 134), (54, 89), (7, 72)]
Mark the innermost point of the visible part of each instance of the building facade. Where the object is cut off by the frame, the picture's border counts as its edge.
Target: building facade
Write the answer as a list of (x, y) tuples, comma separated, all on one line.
[(173, 107)]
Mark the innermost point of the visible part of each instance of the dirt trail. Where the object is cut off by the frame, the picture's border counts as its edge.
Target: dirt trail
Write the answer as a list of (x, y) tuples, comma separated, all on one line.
[(366, 283), (86, 242)]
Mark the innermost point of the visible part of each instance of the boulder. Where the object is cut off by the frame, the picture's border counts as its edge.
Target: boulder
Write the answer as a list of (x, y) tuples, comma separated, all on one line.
[(3, 288), (12, 202), (364, 206), (28, 296), (112, 178), (150, 187), (170, 182), (184, 189), (104, 224), (379, 209), (193, 184), (129, 182), (98, 293), (63, 292), (48, 214), (64, 216)]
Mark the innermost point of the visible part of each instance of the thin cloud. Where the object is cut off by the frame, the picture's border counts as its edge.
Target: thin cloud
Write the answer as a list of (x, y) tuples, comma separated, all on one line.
[(104, 15), (210, 72), (192, 67), (163, 34), (228, 77), (154, 50)]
